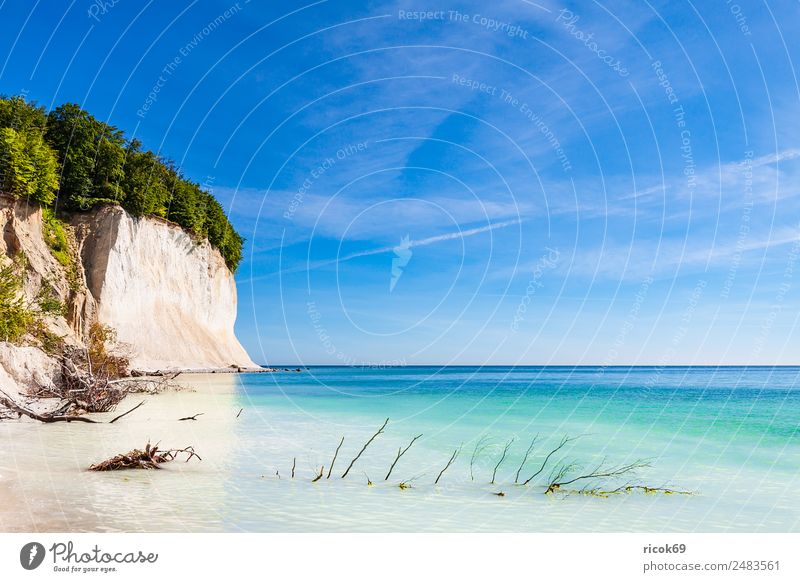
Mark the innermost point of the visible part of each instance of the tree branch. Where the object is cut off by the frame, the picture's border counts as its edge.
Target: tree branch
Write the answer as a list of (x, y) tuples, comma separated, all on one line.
[(364, 448), (126, 413), (400, 453), (192, 417), (502, 458), (450, 462), (596, 473), (563, 442), (480, 446), (525, 458), (9, 403), (336, 454)]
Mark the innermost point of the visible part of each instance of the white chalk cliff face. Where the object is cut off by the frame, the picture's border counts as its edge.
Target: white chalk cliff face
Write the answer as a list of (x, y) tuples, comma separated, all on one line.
[(170, 298)]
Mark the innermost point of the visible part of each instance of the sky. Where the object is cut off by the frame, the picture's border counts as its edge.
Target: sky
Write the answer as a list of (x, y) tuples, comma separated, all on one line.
[(509, 183)]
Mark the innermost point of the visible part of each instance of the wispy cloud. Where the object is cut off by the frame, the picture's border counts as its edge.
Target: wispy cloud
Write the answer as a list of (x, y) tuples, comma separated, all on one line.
[(460, 234), (431, 240)]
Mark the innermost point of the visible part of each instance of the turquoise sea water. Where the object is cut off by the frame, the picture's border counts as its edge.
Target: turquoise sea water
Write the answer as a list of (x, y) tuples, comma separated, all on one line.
[(730, 436)]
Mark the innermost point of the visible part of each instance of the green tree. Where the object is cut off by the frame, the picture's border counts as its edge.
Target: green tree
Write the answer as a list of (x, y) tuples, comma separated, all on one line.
[(146, 182), (28, 167), (45, 169), (91, 154), (22, 116), (185, 207)]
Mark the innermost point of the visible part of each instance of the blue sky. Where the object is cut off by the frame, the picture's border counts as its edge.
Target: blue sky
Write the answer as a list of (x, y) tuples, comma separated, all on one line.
[(506, 183)]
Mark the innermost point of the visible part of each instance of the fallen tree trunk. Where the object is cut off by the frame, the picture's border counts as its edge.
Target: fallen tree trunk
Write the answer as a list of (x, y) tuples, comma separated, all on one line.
[(9, 403)]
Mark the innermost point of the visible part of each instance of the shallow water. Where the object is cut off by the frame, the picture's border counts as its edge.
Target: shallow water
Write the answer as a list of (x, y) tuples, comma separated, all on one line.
[(731, 436)]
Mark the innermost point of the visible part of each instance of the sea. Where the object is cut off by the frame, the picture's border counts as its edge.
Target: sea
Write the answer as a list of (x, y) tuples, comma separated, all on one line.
[(326, 449)]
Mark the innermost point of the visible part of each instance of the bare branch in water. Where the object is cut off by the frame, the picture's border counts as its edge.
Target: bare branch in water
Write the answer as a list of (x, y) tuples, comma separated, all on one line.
[(559, 479), (126, 413), (480, 446), (450, 462), (525, 458), (400, 453), (318, 477), (192, 417), (294, 464), (336, 454), (502, 458), (364, 448), (561, 445), (240, 412)]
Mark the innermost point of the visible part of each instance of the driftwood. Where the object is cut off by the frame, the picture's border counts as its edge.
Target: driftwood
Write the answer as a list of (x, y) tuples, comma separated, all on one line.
[(139, 376), (126, 413), (525, 458), (502, 458), (192, 417), (87, 384), (9, 403), (450, 462), (559, 479), (480, 446), (150, 458), (561, 445), (400, 452), (336, 454), (59, 415), (364, 448), (146, 385), (93, 379)]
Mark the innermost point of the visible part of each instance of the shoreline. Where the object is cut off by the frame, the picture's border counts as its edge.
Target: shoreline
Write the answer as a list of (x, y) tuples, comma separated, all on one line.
[(230, 370)]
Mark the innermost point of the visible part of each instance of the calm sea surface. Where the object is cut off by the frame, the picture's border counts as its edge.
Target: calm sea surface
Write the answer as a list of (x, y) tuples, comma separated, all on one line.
[(730, 436)]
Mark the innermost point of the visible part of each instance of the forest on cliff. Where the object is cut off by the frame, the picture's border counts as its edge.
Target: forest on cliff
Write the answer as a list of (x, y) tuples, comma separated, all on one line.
[(68, 161)]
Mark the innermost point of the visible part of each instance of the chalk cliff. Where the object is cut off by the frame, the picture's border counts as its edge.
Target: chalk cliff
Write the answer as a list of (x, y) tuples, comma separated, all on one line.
[(169, 296)]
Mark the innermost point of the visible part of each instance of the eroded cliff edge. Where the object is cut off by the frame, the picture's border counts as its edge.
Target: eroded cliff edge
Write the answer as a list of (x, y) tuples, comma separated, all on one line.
[(169, 296)]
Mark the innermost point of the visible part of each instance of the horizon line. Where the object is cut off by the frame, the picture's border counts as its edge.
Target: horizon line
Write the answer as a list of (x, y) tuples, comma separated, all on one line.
[(386, 366)]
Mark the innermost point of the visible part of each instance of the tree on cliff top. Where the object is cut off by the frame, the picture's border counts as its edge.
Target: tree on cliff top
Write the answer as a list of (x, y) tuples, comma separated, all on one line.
[(99, 165), (92, 156), (28, 166)]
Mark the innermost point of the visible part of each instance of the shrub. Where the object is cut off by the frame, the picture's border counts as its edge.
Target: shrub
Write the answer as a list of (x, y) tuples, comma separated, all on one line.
[(15, 317)]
